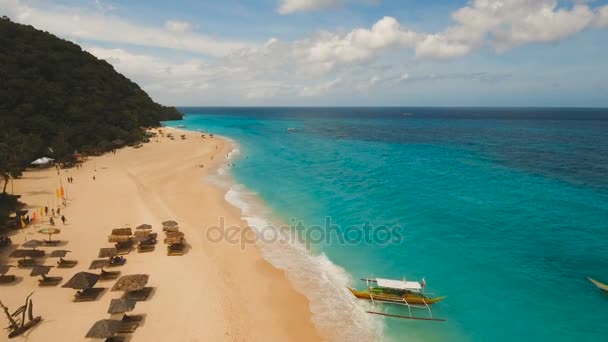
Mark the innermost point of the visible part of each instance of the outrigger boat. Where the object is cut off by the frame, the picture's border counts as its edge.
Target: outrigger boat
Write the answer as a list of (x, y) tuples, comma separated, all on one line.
[(399, 292), (599, 285)]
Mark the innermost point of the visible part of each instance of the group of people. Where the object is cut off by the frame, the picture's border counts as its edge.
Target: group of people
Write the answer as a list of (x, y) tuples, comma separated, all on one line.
[(70, 179), (51, 220)]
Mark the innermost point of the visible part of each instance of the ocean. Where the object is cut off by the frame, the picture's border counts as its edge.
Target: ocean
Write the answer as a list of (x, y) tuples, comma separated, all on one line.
[(504, 211)]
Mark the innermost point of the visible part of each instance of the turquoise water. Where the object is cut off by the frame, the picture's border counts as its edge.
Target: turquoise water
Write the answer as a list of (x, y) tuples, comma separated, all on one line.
[(503, 211)]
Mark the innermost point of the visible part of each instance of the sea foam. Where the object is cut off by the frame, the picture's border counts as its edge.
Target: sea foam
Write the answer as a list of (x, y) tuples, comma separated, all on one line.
[(335, 312)]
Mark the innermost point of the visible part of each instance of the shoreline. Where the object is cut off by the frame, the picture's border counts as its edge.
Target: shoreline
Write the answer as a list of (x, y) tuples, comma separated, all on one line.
[(216, 291), (336, 314)]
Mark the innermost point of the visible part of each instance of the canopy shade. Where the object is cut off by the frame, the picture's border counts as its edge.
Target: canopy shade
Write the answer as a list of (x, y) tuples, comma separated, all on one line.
[(170, 224), (132, 282), (107, 252), (40, 270), (49, 230), (122, 231), (59, 253), (42, 161), (32, 244), (82, 280), (144, 226), (121, 306), (399, 284), (100, 263), (27, 253), (104, 328)]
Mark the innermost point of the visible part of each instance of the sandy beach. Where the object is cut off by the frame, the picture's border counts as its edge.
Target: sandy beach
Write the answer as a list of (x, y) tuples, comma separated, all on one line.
[(216, 291)]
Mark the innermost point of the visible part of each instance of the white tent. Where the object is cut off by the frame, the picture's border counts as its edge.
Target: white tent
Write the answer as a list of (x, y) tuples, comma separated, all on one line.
[(42, 161)]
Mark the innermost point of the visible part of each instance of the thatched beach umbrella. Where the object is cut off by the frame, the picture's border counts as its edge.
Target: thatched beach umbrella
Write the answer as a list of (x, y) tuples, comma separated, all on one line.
[(170, 224), (40, 270), (27, 253), (144, 227), (59, 253), (104, 328), (132, 282), (100, 263), (122, 231), (50, 231), (32, 244), (121, 306), (82, 280), (142, 234), (107, 252)]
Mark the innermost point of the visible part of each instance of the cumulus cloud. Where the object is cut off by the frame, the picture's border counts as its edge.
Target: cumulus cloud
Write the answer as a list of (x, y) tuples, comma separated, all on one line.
[(320, 89), (292, 6), (325, 63), (82, 23), (178, 26)]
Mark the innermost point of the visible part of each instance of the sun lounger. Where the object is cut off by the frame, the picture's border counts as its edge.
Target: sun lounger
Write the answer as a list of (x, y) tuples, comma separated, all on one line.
[(115, 339), (124, 247), (88, 295), (24, 263), (52, 242), (49, 281), (176, 249), (62, 263), (133, 318), (144, 248), (105, 275), (139, 295), (5, 279)]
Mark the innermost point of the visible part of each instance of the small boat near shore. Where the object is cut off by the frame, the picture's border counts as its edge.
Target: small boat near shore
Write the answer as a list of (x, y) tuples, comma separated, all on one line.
[(599, 285), (399, 292)]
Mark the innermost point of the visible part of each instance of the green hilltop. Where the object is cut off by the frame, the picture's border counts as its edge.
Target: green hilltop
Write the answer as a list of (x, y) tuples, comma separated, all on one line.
[(56, 99)]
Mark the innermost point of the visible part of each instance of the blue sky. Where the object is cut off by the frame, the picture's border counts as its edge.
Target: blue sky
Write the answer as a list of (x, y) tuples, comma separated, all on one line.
[(343, 52)]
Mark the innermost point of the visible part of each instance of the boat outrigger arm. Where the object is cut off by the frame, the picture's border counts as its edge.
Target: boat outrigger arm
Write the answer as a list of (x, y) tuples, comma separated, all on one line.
[(399, 292)]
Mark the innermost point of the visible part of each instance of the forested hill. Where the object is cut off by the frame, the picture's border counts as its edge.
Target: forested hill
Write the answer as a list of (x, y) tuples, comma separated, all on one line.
[(54, 94)]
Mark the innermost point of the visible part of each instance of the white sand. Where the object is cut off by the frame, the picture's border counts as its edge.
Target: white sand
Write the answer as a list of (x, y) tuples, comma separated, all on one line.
[(214, 292)]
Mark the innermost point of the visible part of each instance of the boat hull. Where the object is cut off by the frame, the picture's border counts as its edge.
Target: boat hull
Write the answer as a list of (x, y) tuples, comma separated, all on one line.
[(390, 298), (599, 285)]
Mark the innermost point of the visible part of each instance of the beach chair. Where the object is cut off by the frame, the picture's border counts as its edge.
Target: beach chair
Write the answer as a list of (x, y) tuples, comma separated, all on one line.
[(144, 248), (124, 247), (52, 243), (117, 261), (6, 279), (62, 263), (176, 249), (139, 295), (88, 295), (115, 339), (49, 281), (106, 275), (25, 263)]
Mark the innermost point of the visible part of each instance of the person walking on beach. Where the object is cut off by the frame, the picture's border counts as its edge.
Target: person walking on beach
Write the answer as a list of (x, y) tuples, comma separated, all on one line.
[(51, 221), (93, 177), (58, 211), (53, 212), (46, 210), (63, 219)]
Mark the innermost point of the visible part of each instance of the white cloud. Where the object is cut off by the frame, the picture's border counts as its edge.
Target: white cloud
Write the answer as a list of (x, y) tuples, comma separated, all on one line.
[(360, 44), (292, 6), (178, 26), (320, 89), (82, 23), (319, 66), (601, 19)]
